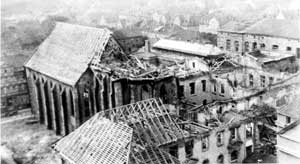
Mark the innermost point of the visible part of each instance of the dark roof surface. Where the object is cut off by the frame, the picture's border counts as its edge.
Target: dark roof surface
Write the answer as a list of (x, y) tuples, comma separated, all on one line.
[(68, 50)]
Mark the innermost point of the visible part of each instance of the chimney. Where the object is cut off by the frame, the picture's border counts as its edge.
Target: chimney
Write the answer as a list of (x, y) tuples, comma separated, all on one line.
[(147, 46)]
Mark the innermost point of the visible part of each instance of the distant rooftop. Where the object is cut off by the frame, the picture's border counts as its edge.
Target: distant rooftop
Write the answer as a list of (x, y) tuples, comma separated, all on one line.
[(205, 50), (268, 27), (276, 27)]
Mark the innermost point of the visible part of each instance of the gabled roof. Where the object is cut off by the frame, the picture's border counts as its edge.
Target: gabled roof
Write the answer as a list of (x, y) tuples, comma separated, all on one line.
[(276, 27), (188, 48), (98, 140), (67, 51)]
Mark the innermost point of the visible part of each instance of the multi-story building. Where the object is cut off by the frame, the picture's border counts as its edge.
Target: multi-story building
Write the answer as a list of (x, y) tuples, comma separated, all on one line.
[(277, 35), (14, 91)]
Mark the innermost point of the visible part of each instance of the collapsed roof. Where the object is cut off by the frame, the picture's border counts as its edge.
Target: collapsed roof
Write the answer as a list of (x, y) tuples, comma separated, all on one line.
[(126, 134)]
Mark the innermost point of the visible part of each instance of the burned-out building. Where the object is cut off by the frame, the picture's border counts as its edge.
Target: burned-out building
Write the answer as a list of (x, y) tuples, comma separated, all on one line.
[(78, 71)]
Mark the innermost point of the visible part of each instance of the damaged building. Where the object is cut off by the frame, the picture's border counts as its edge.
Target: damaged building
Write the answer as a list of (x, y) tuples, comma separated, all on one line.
[(78, 71), (175, 102)]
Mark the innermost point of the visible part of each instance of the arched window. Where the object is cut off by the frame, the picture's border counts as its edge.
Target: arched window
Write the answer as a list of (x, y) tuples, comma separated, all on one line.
[(236, 45), (206, 161), (246, 46), (262, 46), (228, 44), (220, 159), (204, 102), (254, 46)]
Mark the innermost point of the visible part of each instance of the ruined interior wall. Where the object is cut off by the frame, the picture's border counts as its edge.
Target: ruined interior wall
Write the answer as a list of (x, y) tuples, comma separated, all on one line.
[(209, 95)]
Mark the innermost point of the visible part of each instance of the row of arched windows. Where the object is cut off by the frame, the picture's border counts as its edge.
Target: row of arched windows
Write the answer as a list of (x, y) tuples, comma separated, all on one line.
[(246, 46)]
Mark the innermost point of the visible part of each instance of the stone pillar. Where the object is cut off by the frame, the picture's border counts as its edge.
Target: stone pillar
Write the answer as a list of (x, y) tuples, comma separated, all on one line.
[(94, 95), (76, 107), (32, 92), (51, 106), (69, 108), (109, 91), (42, 83), (61, 109)]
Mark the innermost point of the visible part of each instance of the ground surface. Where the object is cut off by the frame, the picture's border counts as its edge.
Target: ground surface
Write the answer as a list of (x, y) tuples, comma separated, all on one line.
[(27, 143)]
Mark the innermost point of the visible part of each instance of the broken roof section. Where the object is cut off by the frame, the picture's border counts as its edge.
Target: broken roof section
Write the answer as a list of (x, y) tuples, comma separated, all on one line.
[(67, 51), (94, 142), (267, 57), (127, 134), (202, 50), (150, 120)]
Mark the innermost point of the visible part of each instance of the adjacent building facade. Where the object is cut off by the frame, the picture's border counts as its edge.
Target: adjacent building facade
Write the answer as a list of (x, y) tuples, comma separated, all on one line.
[(277, 35), (14, 90)]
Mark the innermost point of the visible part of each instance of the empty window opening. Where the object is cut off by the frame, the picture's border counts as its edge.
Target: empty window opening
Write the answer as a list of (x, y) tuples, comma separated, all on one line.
[(220, 159), (271, 80), (228, 44), (254, 46), (189, 148), (236, 45), (220, 138), (220, 110), (246, 46), (192, 88), (194, 65), (205, 143), (275, 47), (203, 82), (249, 130), (262, 81), (262, 46), (222, 89), (206, 161), (288, 120), (233, 133), (251, 80), (289, 48), (174, 151), (234, 156)]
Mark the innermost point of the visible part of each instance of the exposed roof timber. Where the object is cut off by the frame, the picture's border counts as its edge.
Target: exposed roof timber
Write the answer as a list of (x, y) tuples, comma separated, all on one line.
[(151, 121)]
